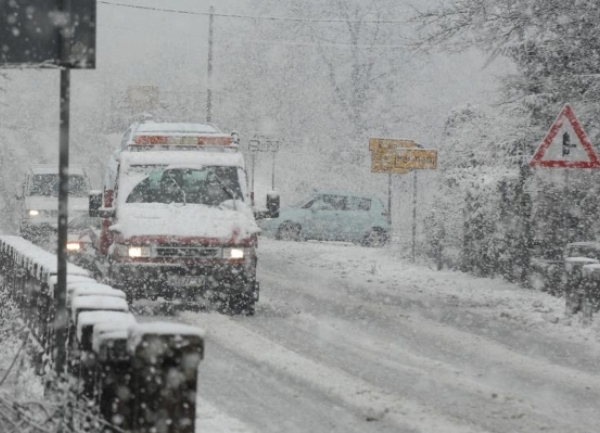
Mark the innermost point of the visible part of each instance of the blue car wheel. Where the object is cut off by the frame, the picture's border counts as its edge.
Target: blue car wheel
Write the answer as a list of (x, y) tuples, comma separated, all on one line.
[(375, 238), (289, 231)]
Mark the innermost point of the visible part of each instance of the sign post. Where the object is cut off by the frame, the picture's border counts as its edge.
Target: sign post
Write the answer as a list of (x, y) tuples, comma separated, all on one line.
[(558, 151), (262, 142), (565, 146), (400, 157), (56, 34), (253, 147)]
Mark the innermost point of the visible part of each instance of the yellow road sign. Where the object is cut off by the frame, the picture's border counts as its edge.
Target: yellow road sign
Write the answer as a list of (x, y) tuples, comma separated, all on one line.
[(399, 156), (416, 159), (385, 163), (383, 144)]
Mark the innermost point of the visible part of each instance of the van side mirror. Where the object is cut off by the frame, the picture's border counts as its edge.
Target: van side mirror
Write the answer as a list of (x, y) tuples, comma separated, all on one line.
[(273, 201), (95, 202), (272, 207)]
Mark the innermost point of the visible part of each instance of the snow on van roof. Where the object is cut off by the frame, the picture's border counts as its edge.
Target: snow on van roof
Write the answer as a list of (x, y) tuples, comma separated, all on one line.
[(108, 303), (176, 128), (91, 318), (137, 332), (180, 158)]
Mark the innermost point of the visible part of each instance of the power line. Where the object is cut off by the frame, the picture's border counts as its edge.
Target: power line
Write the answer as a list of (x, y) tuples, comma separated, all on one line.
[(281, 42), (251, 17)]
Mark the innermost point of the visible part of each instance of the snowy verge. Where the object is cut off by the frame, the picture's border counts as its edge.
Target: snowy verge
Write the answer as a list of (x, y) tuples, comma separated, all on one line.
[(379, 272)]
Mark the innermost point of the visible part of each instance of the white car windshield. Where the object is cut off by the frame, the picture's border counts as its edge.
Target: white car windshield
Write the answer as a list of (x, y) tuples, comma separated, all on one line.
[(209, 185), (48, 185)]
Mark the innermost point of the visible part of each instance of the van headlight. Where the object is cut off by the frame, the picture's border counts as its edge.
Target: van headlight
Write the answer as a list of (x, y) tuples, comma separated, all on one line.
[(139, 252), (133, 251), (33, 212), (233, 253)]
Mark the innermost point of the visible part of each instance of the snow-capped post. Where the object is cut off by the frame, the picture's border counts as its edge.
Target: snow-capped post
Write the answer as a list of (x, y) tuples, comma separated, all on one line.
[(55, 34), (164, 370), (395, 156), (525, 211)]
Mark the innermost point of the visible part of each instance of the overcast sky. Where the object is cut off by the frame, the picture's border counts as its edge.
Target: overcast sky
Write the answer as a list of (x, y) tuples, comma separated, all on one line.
[(144, 47), (151, 47)]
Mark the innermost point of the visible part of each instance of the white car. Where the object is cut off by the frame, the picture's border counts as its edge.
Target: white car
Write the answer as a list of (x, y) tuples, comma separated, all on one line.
[(39, 210)]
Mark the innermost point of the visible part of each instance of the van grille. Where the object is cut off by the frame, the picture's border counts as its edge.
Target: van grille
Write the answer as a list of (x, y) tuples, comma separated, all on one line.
[(191, 252)]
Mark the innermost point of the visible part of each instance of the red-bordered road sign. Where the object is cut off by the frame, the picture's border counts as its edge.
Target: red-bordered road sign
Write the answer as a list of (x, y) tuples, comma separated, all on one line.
[(576, 154)]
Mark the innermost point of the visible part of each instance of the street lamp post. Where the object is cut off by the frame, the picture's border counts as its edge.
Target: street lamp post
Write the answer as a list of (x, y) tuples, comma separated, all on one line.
[(253, 147), (263, 143), (273, 147)]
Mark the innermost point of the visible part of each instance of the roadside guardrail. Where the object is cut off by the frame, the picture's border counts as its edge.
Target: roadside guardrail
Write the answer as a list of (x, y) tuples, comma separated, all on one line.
[(141, 377)]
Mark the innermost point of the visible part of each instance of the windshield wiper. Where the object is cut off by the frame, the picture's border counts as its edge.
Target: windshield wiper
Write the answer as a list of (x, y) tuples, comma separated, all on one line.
[(229, 192), (180, 189)]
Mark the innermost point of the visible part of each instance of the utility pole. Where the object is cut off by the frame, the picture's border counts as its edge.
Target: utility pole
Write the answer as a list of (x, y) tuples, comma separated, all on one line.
[(389, 199), (414, 218), (61, 318), (211, 21), (60, 293)]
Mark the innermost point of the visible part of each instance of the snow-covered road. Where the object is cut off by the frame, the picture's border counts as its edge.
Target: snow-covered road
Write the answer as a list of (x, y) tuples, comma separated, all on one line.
[(351, 339)]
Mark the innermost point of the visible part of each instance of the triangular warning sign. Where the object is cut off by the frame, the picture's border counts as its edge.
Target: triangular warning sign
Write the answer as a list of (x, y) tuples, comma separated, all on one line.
[(565, 145)]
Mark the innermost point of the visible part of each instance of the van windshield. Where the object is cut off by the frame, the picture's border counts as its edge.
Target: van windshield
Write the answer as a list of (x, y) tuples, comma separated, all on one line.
[(208, 185), (48, 184)]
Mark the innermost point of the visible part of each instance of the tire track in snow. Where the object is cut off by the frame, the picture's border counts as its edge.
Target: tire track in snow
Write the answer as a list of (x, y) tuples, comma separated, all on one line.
[(469, 344), (370, 401), (573, 393), (459, 391)]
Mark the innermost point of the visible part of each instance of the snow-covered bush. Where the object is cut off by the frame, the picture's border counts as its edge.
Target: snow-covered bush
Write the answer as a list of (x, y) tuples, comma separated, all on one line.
[(25, 407)]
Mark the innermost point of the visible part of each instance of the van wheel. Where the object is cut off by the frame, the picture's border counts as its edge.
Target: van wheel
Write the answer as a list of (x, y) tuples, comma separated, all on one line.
[(289, 231), (242, 305)]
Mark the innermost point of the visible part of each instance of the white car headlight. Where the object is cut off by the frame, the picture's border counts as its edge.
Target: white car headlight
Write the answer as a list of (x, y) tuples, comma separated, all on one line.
[(233, 253), (139, 252), (33, 212), (73, 246)]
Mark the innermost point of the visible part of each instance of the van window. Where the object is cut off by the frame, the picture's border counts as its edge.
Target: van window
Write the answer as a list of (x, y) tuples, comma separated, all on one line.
[(207, 185)]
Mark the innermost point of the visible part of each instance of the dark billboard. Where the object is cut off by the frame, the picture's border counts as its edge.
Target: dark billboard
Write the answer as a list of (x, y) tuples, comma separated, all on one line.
[(48, 32)]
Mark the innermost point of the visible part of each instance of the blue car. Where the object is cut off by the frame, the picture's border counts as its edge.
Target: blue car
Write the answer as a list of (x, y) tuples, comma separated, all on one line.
[(332, 216)]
